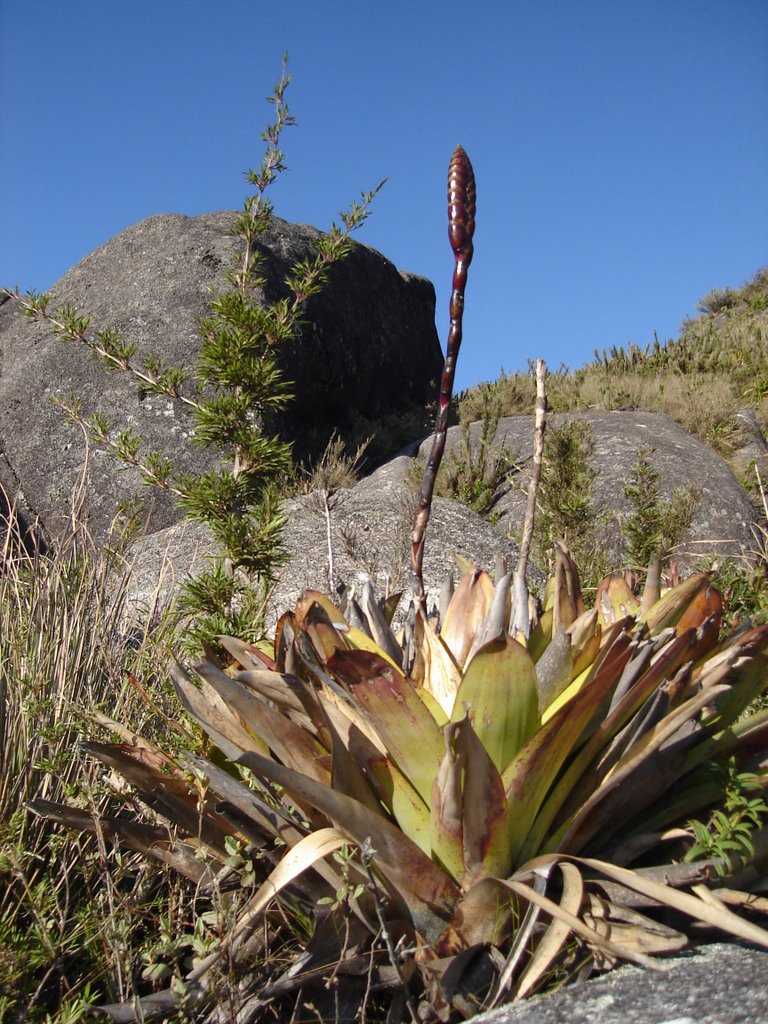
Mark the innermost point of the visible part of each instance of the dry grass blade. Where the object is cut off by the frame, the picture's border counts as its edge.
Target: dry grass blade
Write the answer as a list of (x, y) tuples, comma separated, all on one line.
[(521, 942), (746, 900), (593, 939), (692, 906), (299, 858), (549, 947), (632, 929)]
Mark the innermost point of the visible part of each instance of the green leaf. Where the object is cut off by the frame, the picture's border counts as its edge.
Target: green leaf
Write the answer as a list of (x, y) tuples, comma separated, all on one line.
[(486, 835), (427, 893), (409, 732), (294, 745), (498, 693), (528, 777)]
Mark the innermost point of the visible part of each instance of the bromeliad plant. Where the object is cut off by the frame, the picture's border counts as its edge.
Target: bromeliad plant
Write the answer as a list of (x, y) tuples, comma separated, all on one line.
[(471, 809)]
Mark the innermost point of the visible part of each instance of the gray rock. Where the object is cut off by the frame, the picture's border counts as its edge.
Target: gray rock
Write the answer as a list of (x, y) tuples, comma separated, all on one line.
[(717, 984), (724, 520), (752, 453), (368, 337), (370, 532)]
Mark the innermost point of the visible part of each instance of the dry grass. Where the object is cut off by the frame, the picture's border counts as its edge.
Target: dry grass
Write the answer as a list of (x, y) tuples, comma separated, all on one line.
[(718, 365), (71, 909)]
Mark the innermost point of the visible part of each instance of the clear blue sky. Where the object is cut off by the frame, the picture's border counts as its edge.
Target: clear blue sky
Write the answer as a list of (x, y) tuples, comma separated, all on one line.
[(620, 146)]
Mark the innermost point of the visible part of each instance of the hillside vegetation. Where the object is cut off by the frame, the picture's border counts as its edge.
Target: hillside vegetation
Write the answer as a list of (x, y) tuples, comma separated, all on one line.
[(717, 366)]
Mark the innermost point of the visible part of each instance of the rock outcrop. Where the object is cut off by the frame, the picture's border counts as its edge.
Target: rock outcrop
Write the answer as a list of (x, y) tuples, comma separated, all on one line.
[(370, 335), (368, 348), (371, 522), (723, 522), (723, 983)]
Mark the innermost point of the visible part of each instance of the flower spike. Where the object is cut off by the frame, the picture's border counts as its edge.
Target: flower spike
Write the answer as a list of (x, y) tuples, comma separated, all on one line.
[(461, 228)]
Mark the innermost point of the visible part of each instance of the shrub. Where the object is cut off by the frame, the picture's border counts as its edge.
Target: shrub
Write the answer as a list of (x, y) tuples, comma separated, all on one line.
[(654, 526), (478, 467), (717, 300), (70, 908), (564, 509)]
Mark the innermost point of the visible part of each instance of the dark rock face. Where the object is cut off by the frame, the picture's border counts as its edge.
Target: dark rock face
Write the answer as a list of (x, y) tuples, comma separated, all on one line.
[(723, 522), (368, 337)]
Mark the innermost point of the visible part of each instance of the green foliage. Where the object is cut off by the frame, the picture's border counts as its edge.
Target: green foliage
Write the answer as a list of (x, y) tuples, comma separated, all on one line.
[(654, 526), (425, 798), (474, 472), (743, 581), (717, 300), (727, 833), (71, 908), (421, 780), (564, 508), (744, 586)]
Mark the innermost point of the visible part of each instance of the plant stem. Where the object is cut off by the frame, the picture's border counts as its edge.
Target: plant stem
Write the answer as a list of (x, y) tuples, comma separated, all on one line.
[(461, 227), (520, 617)]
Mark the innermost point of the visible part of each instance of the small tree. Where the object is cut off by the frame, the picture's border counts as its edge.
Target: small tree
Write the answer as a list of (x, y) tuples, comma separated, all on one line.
[(564, 502), (654, 526), (239, 387), (475, 470)]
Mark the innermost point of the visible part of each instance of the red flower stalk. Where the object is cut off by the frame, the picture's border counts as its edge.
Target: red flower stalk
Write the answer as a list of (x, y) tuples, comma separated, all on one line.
[(461, 227)]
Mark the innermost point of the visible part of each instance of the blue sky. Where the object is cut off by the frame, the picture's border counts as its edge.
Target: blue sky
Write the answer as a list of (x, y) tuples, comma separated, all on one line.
[(620, 147)]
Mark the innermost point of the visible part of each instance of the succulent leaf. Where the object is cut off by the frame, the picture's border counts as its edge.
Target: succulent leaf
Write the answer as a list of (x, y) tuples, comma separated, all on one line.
[(427, 891), (466, 614), (409, 732), (528, 777), (638, 778), (671, 606), (434, 669), (447, 818), (615, 599), (295, 746), (484, 916), (499, 695), (554, 669), (486, 836)]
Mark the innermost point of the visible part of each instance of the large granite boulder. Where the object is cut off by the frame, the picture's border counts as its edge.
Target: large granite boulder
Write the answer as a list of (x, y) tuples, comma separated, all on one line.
[(723, 523), (368, 348)]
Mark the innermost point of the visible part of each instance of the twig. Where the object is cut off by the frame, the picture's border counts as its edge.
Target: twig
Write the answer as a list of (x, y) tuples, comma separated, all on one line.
[(520, 616), (461, 227), (366, 854), (329, 543)]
